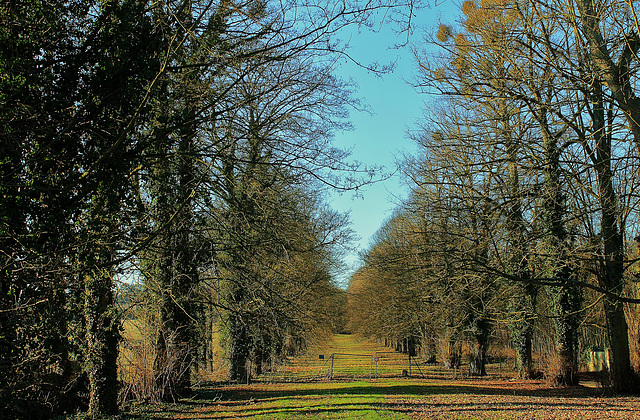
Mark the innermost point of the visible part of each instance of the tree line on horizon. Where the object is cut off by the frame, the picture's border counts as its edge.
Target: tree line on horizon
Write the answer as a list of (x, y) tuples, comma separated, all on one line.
[(523, 215), (181, 146)]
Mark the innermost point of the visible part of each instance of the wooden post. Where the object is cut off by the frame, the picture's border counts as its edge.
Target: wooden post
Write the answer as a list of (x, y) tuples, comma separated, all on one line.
[(331, 369)]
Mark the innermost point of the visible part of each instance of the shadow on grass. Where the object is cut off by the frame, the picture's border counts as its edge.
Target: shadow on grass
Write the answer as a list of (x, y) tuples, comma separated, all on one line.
[(509, 409), (388, 400), (270, 408), (304, 408), (229, 394)]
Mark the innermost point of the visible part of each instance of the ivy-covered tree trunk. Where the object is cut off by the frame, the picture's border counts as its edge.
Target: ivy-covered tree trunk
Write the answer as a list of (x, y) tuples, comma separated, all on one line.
[(452, 348), (174, 351), (479, 348), (566, 299), (175, 273), (260, 354), (243, 165), (523, 302), (96, 258), (566, 302), (175, 345), (102, 341), (238, 342), (122, 64), (521, 327)]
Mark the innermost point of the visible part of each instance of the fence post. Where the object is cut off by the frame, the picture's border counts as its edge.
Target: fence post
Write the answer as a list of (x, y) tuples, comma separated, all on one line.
[(331, 369), (409, 364)]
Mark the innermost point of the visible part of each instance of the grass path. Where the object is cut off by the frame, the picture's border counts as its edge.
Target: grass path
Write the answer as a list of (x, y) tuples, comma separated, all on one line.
[(392, 397), (352, 358), (314, 398)]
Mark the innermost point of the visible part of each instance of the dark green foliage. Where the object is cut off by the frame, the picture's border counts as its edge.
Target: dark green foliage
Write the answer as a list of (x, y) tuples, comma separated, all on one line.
[(73, 76), (33, 218), (567, 302)]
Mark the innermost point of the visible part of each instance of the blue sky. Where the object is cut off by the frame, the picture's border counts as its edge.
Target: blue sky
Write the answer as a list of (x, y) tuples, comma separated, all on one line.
[(381, 137)]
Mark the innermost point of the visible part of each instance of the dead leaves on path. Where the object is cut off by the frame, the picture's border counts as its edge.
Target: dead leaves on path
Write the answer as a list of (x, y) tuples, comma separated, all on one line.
[(499, 399)]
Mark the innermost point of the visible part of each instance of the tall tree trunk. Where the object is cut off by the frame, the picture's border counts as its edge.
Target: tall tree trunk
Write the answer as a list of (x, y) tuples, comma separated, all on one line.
[(478, 356), (100, 312), (522, 305), (186, 269), (617, 78), (566, 299), (239, 345), (522, 333), (177, 274), (102, 340), (623, 377)]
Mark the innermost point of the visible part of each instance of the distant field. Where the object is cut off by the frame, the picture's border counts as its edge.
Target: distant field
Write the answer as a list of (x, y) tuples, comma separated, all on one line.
[(440, 394)]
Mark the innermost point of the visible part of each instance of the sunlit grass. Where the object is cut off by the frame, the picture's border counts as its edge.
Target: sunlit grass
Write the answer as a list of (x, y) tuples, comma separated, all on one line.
[(376, 399), (355, 358), (319, 400), (433, 395), (352, 394), (316, 397)]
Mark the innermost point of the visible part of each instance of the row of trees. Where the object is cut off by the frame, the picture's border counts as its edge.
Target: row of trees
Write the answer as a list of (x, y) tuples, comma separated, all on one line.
[(185, 145), (524, 203)]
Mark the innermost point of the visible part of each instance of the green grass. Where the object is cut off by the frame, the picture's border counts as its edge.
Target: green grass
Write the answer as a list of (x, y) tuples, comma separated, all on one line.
[(355, 359), (386, 397), (303, 391), (300, 388), (312, 401), (319, 400)]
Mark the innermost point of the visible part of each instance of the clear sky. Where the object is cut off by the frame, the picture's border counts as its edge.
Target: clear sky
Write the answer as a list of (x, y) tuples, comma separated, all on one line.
[(381, 137)]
